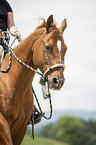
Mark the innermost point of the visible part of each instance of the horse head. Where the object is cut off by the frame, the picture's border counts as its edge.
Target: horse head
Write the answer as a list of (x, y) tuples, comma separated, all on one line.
[(49, 51)]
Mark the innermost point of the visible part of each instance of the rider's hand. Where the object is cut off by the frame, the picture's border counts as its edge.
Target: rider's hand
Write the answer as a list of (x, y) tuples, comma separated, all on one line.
[(14, 31), (18, 35)]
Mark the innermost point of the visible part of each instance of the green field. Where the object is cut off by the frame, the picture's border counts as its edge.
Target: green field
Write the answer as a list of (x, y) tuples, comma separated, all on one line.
[(40, 141)]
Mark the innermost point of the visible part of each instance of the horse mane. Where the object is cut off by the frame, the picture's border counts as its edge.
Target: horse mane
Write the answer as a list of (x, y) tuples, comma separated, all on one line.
[(44, 23)]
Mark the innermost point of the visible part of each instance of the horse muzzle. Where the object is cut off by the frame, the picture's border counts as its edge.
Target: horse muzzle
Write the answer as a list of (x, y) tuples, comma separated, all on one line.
[(55, 76)]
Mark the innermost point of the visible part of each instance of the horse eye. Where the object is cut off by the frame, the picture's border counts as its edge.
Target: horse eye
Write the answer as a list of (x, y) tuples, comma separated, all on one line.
[(48, 48)]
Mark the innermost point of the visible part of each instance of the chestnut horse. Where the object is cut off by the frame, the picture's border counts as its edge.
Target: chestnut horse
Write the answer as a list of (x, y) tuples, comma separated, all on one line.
[(39, 50)]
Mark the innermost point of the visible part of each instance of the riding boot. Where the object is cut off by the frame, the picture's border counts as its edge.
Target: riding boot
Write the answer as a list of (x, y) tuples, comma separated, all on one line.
[(37, 116), (1, 54)]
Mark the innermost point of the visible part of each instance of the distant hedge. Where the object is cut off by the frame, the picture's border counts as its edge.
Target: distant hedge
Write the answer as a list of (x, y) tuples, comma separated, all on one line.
[(71, 130)]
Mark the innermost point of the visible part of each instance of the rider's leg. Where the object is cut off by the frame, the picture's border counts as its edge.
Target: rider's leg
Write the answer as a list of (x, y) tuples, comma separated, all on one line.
[(1, 54)]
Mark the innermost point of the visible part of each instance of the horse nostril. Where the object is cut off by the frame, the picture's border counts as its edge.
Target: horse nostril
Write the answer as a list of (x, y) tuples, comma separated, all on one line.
[(55, 80)]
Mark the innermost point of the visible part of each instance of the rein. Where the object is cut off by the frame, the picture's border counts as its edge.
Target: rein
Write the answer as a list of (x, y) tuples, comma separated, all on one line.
[(5, 71), (50, 102), (32, 87), (32, 69)]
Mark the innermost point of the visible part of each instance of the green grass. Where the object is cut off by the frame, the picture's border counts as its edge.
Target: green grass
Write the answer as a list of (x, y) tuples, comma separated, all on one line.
[(40, 141)]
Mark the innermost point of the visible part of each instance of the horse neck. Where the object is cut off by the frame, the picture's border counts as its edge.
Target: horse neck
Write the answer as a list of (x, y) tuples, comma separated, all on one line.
[(24, 50), (18, 73)]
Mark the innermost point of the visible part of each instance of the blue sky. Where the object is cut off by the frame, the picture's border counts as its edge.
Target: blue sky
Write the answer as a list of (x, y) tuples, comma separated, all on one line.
[(79, 90)]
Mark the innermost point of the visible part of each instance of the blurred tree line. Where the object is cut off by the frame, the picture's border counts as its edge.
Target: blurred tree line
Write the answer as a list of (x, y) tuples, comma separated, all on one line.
[(71, 130)]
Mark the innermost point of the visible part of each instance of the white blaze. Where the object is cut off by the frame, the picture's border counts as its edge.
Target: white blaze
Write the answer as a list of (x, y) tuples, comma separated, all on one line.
[(59, 45)]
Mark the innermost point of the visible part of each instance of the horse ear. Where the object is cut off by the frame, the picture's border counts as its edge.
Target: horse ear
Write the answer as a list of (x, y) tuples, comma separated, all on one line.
[(49, 22), (63, 26)]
